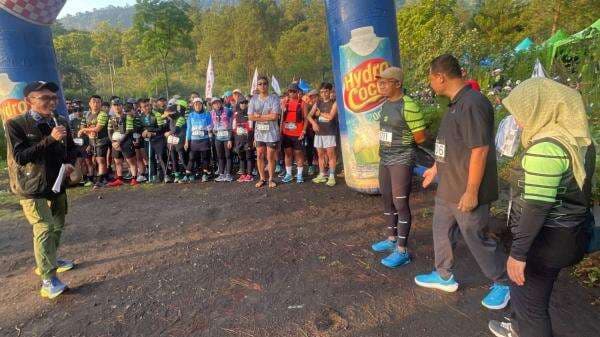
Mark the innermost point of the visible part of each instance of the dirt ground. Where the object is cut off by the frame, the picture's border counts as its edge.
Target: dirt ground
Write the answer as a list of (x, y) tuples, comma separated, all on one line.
[(230, 260)]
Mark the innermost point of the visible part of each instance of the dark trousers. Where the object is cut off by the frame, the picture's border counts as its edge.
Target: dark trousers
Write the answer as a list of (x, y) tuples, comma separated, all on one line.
[(395, 182), (198, 160), (246, 161), (223, 157), (530, 301), (159, 155), (310, 149), (177, 157), (552, 250)]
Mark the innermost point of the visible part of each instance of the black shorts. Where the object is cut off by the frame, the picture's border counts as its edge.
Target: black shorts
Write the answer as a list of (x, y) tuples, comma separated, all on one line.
[(293, 142), (272, 145), (100, 150), (127, 151), (139, 144)]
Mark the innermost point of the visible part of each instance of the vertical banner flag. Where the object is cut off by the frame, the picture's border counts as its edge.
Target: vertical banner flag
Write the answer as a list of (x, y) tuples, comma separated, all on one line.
[(538, 69), (210, 79), (275, 85), (254, 82), (26, 51)]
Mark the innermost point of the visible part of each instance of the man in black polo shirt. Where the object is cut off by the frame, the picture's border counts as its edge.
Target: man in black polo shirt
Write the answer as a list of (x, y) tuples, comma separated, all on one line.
[(466, 165)]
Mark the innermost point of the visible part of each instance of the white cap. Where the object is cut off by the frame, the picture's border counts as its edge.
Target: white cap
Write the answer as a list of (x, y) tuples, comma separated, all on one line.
[(197, 99)]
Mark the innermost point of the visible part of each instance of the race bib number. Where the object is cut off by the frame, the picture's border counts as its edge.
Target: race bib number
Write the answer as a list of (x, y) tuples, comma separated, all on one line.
[(78, 141), (173, 140), (198, 132), (262, 127), (291, 126), (323, 119), (222, 134), (136, 136), (117, 136), (440, 150), (241, 131), (385, 137)]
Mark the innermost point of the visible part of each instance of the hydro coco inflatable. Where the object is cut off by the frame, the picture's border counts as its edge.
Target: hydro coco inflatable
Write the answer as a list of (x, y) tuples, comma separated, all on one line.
[(363, 37), (26, 51)]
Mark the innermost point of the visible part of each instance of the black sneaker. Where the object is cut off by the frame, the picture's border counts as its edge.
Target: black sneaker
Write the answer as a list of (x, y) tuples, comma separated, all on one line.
[(502, 329)]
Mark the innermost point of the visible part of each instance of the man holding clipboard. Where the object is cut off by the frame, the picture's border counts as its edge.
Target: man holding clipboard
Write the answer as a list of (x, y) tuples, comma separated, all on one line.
[(40, 155)]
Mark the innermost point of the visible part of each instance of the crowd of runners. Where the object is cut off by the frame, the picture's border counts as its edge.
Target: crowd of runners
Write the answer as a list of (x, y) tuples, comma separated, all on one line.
[(178, 140), (183, 140)]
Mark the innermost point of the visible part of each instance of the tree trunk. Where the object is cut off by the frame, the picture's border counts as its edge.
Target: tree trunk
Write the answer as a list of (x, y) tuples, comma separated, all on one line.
[(556, 16), (166, 74)]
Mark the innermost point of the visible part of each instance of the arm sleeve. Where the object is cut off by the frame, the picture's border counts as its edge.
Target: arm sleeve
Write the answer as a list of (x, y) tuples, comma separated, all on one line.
[(544, 165), (22, 152), (188, 131), (476, 124), (413, 116), (102, 119)]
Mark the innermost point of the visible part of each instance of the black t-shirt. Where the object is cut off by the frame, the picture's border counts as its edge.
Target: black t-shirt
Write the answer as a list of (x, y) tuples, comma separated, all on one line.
[(468, 123)]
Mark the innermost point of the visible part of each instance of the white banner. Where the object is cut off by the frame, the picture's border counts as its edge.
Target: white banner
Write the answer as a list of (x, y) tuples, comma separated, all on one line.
[(254, 82), (275, 85), (538, 69), (210, 79)]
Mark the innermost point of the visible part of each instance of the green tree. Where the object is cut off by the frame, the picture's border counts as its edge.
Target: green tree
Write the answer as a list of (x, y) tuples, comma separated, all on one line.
[(74, 60), (545, 17), (501, 23), (163, 26), (106, 49)]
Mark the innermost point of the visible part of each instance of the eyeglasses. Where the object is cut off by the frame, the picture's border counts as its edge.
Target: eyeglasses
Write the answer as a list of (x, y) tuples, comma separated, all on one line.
[(46, 98), (262, 83), (384, 82)]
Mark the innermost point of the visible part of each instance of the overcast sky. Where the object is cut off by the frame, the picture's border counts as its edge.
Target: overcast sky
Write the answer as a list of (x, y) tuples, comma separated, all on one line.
[(75, 6)]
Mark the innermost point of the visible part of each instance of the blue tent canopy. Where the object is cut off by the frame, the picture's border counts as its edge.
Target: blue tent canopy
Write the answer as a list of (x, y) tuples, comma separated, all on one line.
[(524, 45)]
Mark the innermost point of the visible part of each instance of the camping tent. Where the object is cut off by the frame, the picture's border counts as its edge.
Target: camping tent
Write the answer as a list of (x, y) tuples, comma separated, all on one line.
[(524, 45)]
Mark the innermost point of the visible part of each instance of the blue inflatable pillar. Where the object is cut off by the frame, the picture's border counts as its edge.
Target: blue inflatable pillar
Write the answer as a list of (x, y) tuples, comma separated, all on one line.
[(363, 37), (26, 51)]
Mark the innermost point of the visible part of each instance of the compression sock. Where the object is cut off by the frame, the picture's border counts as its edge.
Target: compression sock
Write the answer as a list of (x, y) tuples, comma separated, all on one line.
[(288, 170), (300, 169)]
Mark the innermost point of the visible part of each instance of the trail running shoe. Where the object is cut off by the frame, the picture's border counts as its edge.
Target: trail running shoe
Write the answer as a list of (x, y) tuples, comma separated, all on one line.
[(249, 178), (88, 183), (133, 182), (220, 178), (299, 179), (185, 179), (278, 168), (287, 179), (502, 329), (383, 246), (228, 178), (396, 259), (311, 170), (435, 281), (167, 180), (330, 181), (52, 288), (204, 177), (115, 183), (141, 179), (319, 179), (497, 298)]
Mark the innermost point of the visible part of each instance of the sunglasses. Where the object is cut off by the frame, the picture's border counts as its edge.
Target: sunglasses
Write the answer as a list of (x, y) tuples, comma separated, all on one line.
[(46, 98)]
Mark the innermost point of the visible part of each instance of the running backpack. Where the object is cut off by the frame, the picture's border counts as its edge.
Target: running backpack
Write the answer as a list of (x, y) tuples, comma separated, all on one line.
[(299, 112)]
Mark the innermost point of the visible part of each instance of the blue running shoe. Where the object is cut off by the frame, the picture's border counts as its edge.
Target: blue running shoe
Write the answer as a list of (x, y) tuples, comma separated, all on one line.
[(435, 281), (299, 179), (497, 298), (384, 246), (396, 259), (287, 179), (52, 288)]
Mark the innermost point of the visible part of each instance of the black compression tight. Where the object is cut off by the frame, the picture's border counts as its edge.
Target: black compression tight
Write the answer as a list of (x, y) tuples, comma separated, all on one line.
[(246, 161), (223, 156), (395, 182), (198, 160)]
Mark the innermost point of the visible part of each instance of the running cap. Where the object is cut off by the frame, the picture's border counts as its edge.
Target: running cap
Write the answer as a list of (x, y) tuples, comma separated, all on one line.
[(391, 73), (39, 85)]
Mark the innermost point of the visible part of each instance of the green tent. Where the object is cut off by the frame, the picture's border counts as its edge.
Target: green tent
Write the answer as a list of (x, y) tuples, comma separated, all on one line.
[(524, 45), (558, 36)]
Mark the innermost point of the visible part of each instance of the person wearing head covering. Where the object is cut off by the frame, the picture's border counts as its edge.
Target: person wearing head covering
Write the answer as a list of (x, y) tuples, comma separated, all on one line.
[(176, 139), (120, 131), (222, 122), (243, 141), (550, 213), (197, 141)]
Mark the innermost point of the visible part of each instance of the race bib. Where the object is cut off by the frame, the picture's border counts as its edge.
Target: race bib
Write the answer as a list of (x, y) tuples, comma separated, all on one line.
[(262, 127), (385, 137), (291, 126), (198, 132), (117, 136), (440, 150), (222, 134), (323, 119), (241, 131), (136, 136), (173, 140), (78, 141)]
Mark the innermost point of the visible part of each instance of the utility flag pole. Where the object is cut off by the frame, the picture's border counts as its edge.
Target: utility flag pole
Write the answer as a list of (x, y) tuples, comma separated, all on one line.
[(254, 82), (210, 79), (275, 85)]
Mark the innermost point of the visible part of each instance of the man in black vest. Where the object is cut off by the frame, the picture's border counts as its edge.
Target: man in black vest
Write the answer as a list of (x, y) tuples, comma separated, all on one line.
[(39, 143)]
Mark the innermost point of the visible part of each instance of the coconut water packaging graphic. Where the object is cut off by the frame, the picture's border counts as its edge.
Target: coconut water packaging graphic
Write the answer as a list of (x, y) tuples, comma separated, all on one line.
[(364, 42), (26, 50)]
